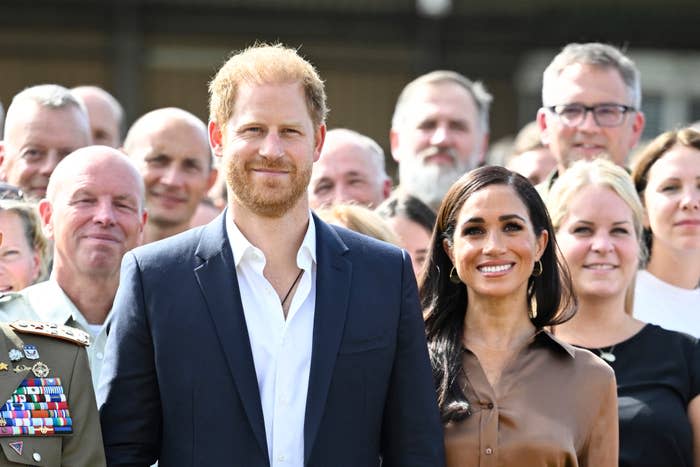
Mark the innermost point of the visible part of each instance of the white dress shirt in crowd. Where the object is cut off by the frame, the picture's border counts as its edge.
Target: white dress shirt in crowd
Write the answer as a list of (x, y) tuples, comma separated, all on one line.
[(281, 347)]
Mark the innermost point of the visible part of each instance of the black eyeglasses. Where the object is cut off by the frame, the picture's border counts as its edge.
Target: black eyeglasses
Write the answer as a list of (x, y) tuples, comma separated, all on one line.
[(11, 192), (606, 115)]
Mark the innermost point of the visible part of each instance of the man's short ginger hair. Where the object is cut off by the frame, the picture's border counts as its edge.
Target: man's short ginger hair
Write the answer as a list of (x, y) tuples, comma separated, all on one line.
[(265, 64)]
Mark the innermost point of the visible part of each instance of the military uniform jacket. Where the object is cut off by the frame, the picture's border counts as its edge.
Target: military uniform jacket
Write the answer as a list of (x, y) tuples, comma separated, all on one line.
[(67, 361)]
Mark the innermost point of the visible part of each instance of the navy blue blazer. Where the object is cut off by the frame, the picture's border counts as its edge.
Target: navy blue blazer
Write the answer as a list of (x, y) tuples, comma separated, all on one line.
[(179, 382)]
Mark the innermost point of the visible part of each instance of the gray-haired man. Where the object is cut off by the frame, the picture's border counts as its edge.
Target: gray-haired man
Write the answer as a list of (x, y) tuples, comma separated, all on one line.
[(439, 131), (44, 124)]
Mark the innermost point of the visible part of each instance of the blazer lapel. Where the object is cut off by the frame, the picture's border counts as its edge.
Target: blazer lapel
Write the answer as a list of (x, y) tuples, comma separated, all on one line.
[(216, 276), (333, 275)]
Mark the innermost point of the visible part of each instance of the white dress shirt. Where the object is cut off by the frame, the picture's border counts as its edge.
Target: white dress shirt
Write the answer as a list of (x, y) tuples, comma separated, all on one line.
[(281, 348)]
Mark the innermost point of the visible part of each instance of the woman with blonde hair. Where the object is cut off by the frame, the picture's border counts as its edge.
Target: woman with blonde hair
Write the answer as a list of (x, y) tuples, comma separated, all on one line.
[(667, 177), (598, 219), (24, 252), (359, 219)]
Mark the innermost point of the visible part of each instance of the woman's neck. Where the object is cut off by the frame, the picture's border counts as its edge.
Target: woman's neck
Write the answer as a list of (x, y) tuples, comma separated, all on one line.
[(497, 324), (599, 322), (678, 268)]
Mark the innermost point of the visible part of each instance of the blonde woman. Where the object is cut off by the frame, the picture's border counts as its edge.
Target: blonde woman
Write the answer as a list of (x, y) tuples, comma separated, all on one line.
[(24, 252), (598, 221)]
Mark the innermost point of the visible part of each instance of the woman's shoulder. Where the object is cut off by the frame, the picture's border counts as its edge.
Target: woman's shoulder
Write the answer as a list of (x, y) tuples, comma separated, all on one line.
[(584, 362), (660, 336)]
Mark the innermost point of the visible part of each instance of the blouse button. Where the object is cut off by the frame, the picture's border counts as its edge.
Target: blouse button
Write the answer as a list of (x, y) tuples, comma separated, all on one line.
[(490, 405), (489, 451)]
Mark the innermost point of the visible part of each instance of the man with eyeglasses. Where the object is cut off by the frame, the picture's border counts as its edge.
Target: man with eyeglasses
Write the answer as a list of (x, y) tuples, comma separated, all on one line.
[(591, 105)]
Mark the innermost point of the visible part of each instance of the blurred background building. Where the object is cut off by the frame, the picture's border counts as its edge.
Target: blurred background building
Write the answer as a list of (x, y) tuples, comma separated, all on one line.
[(156, 53)]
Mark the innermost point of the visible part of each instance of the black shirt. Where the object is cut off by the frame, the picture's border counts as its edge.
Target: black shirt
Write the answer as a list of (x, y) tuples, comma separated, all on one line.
[(658, 374)]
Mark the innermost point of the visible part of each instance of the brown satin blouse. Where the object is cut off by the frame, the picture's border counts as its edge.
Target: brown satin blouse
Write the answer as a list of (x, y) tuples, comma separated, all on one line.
[(555, 405)]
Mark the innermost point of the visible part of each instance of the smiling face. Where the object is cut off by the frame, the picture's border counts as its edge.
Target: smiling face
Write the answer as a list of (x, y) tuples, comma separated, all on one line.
[(494, 247), (600, 246), (19, 262), (172, 153), (347, 173), (672, 201), (588, 85), (440, 140), (36, 139), (268, 147), (94, 217)]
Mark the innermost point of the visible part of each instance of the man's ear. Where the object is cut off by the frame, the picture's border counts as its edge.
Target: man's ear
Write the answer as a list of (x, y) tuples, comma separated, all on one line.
[(216, 137), (637, 128), (213, 173), (319, 138), (45, 214), (3, 177), (386, 187), (484, 148), (394, 143), (542, 124)]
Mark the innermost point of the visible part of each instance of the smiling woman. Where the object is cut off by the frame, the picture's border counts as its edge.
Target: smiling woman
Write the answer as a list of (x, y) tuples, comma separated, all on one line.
[(505, 386), (659, 407), (24, 252)]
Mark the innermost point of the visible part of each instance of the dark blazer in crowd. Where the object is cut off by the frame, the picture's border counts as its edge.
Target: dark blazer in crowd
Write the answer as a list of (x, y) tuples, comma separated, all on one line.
[(179, 383)]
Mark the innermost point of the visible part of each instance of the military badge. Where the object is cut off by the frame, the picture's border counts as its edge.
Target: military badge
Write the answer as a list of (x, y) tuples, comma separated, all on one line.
[(40, 370), (15, 355), (31, 352), (17, 447)]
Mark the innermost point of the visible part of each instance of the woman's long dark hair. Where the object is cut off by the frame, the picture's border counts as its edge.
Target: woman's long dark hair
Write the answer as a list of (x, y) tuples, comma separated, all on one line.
[(445, 303)]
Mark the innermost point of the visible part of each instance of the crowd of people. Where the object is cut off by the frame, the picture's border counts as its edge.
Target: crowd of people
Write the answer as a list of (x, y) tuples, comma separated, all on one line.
[(255, 291)]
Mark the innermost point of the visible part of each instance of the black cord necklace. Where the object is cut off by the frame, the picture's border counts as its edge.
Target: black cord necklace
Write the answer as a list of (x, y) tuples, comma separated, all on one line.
[(301, 271)]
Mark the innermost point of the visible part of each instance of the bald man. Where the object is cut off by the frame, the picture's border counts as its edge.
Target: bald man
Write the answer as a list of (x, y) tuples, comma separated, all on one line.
[(94, 213), (170, 147), (43, 124), (351, 169), (105, 112)]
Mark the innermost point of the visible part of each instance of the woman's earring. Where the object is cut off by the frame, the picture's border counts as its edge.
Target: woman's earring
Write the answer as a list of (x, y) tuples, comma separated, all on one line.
[(537, 270), (454, 277)]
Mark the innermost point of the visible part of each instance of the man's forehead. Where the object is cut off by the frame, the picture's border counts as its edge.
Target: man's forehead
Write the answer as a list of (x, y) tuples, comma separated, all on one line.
[(590, 84), (283, 100), (448, 99), (343, 162), (110, 177), (66, 125), (177, 140)]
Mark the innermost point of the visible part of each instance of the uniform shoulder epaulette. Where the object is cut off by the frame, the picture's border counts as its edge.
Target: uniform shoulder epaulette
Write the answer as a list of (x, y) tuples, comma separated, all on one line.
[(66, 333)]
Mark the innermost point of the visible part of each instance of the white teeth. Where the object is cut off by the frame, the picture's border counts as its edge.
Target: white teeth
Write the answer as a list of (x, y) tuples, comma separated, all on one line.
[(600, 266), (501, 268)]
